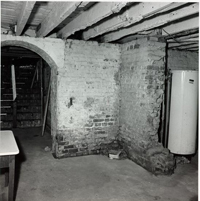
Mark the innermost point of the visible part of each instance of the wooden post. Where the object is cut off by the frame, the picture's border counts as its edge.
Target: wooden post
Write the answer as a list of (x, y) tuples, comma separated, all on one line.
[(46, 106), (33, 80), (41, 87)]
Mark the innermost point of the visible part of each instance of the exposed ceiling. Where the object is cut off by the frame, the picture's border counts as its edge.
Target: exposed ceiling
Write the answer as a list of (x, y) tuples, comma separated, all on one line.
[(113, 22)]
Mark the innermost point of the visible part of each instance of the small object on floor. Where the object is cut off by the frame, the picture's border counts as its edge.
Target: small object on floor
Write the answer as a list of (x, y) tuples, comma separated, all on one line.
[(114, 154), (157, 198), (182, 160), (47, 148), (36, 135)]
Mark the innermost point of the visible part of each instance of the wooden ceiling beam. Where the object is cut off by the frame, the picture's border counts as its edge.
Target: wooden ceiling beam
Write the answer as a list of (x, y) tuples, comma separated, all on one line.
[(157, 22), (196, 45), (91, 16), (131, 16), (85, 4), (170, 45), (186, 40), (182, 26), (60, 11), (131, 38), (142, 34), (24, 15), (182, 38), (182, 34), (196, 49)]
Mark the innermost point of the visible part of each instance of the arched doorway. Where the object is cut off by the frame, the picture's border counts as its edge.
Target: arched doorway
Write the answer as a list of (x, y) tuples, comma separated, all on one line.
[(51, 63)]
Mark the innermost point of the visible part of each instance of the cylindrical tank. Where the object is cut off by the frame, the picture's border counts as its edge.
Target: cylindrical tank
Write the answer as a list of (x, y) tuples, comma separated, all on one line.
[(183, 112)]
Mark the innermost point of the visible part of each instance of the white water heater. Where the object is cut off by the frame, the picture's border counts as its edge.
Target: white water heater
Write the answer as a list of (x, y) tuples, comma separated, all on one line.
[(183, 112)]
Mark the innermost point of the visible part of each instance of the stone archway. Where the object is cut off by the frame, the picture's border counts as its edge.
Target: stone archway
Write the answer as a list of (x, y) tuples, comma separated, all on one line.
[(53, 62)]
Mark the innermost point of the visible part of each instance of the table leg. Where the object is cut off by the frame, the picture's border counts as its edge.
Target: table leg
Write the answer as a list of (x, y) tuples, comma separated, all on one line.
[(11, 178), (6, 178)]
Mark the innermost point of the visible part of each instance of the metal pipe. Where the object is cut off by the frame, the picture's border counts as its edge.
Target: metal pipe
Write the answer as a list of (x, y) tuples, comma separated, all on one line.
[(162, 119), (167, 109)]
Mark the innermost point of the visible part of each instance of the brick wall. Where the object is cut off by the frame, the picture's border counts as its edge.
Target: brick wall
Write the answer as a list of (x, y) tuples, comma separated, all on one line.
[(95, 84), (182, 60), (88, 97), (142, 87)]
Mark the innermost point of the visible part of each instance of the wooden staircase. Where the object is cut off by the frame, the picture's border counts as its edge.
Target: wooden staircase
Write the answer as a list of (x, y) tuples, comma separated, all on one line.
[(26, 110)]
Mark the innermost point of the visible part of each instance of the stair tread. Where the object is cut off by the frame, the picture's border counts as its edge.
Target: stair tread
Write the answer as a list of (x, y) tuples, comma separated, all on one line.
[(28, 100), (22, 112), (5, 106), (27, 112), (10, 120), (6, 100)]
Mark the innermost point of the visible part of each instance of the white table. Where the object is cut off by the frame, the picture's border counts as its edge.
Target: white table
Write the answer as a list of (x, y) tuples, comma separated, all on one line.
[(8, 150)]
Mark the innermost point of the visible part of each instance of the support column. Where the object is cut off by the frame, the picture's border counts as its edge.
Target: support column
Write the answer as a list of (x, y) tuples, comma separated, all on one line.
[(142, 90)]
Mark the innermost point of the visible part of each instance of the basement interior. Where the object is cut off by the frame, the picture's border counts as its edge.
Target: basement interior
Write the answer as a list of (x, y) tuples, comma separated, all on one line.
[(99, 101)]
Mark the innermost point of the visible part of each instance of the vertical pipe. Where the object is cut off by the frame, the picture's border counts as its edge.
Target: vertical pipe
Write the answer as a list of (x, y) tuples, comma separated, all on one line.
[(162, 119), (167, 112), (165, 97)]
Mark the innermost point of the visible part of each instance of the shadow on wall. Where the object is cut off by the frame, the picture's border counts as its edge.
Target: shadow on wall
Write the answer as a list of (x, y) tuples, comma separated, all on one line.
[(195, 198)]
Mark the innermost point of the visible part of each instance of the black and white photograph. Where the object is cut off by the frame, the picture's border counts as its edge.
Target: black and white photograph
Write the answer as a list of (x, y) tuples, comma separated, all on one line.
[(99, 100)]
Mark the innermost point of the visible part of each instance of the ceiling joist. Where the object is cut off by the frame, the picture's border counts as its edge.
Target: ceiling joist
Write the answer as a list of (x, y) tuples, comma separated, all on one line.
[(186, 47), (25, 13), (60, 11), (190, 37), (182, 26), (157, 22), (134, 14), (170, 45), (182, 34), (186, 40), (90, 17), (196, 49), (176, 23)]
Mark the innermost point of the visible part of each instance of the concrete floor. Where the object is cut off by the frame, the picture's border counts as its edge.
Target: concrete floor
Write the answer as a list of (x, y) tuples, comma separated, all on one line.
[(40, 177)]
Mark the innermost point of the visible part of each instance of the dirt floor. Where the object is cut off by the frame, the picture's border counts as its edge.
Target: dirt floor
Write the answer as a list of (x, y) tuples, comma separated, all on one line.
[(40, 177)]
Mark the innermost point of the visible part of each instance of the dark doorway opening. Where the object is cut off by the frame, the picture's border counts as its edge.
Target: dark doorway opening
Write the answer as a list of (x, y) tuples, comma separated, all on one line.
[(25, 79), (30, 82)]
